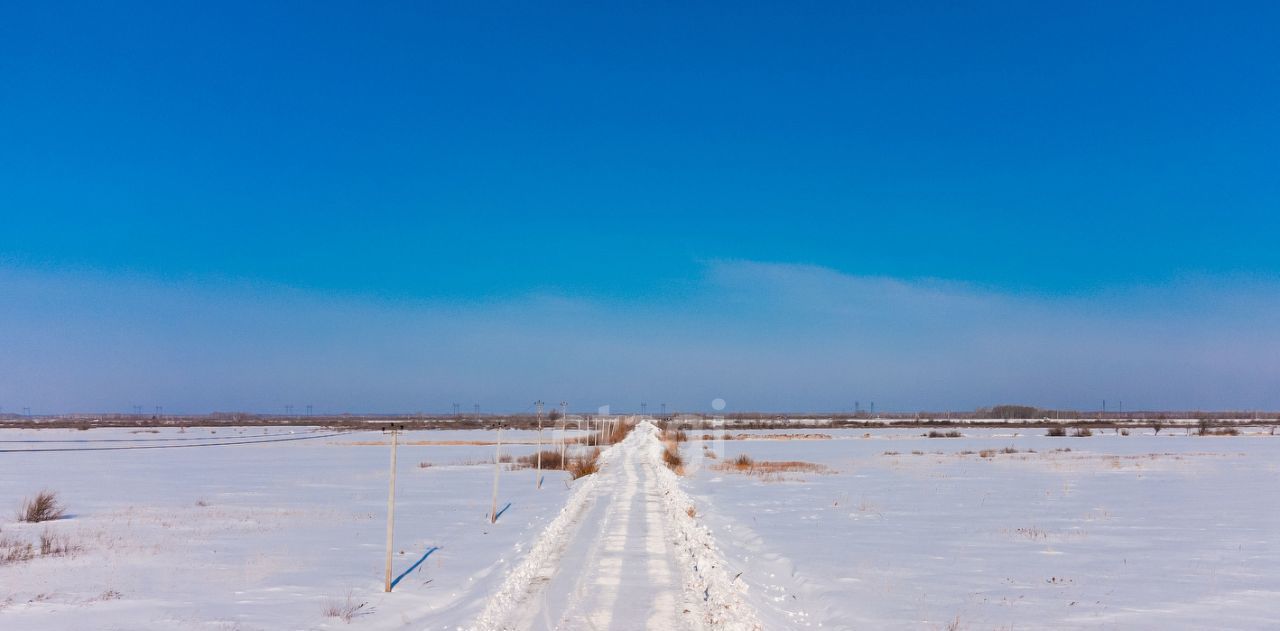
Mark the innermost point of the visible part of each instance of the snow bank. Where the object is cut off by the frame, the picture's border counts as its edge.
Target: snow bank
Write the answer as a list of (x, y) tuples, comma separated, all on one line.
[(702, 564)]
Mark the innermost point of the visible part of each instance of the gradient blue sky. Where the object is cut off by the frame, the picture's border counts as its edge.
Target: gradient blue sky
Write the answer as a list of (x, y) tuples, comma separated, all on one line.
[(391, 207)]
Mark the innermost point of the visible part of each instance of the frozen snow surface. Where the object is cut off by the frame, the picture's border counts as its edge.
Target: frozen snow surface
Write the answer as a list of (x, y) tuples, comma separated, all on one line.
[(904, 531), (828, 528), (624, 554)]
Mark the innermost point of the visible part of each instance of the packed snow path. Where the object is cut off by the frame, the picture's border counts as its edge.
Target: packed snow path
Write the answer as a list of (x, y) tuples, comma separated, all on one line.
[(622, 555)]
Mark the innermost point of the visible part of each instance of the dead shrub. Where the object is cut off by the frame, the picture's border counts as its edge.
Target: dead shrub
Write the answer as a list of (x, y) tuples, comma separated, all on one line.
[(585, 464), (671, 456), (43, 507), (951, 434), (424, 465), (620, 431), (986, 453), (1056, 431), (550, 460), (1225, 431), (1082, 432)]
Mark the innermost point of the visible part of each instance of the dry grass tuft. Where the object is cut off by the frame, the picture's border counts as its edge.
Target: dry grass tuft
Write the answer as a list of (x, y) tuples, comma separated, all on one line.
[(671, 456), (14, 551), (951, 434), (745, 464), (51, 545), (674, 435), (43, 507), (550, 460), (620, 431), (585, 464), (346, 610), (1056, 431), (1082, 432), (986, 453), (691, 511)]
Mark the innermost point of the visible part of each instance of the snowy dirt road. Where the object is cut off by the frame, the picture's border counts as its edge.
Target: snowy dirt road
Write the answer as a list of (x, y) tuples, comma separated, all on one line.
[(624, 554)]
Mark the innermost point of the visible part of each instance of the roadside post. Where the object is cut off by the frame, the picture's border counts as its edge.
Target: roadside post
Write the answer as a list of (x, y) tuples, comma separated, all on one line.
[(537, 478), (391, 498), (497, 470)]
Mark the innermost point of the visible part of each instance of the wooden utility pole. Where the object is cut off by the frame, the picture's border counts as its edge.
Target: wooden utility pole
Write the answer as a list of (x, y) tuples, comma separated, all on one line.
[(391, 501), (537, 478), (497, 469), (564, 425)]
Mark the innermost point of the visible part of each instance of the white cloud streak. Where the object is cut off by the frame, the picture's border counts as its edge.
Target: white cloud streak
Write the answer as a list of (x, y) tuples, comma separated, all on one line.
[(760, 335)]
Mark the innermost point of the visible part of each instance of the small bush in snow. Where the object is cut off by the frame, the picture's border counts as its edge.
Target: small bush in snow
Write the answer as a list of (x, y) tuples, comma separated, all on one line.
[(584, 465), (671, 456), (43, 507), (1056, 431), (550, 460)]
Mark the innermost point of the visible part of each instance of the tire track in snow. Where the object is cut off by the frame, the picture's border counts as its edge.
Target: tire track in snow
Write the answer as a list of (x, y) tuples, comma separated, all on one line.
[(622, 554)]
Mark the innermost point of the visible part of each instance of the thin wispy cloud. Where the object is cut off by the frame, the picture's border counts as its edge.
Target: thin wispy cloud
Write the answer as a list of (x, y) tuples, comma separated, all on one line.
[(760, 335)]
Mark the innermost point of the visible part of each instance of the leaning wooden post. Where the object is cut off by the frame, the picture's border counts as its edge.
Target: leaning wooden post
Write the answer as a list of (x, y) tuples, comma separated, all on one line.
[(391, 505)]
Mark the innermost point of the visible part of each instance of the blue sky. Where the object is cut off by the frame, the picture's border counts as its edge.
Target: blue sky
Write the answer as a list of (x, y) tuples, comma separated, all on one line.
[(800, 205)]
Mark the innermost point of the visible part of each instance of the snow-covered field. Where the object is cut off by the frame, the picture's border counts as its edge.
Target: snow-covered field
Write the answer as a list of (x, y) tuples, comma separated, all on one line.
[(1120, 532), (263, 536), (1123, 532)]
